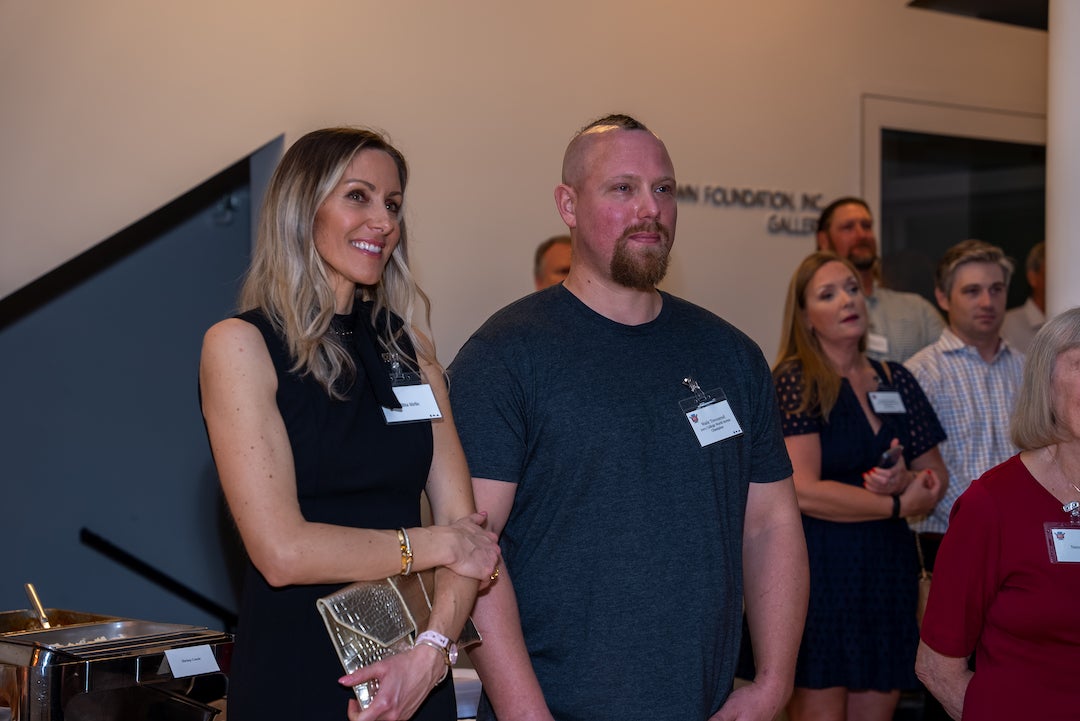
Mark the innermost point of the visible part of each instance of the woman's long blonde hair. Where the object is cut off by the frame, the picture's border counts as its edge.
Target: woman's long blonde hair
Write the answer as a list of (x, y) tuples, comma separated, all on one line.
[(288, 278), (820, 383)]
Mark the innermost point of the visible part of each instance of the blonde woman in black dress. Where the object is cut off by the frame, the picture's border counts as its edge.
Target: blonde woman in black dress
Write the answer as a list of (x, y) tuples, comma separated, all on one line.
[(321, 487)]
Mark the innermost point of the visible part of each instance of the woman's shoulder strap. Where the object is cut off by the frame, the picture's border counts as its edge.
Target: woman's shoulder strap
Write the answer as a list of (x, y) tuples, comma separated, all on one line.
[(883, 370)]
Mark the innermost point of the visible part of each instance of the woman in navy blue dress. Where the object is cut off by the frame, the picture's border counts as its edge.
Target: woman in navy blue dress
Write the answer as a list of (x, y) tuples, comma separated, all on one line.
[(325, 491), (841, 412)]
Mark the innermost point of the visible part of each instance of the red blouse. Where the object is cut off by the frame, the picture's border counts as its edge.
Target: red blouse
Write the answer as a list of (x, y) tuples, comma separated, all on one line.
[(996, 593)]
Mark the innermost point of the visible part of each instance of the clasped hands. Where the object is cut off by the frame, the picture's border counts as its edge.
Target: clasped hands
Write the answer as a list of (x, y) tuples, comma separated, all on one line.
[(476, 549), (918, 490)]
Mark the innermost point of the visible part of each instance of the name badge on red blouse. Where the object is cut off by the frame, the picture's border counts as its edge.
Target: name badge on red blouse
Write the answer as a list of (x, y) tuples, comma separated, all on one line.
[(1063, 537)]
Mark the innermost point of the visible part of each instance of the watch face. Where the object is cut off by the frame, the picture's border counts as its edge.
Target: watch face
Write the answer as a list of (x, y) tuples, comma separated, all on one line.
[(451, 653)]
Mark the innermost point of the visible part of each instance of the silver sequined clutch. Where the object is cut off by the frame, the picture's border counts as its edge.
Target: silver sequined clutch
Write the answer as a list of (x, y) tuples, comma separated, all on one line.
[(370, 620)]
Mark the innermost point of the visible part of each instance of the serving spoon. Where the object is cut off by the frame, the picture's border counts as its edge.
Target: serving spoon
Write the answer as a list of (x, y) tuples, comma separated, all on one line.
[(36, 603)]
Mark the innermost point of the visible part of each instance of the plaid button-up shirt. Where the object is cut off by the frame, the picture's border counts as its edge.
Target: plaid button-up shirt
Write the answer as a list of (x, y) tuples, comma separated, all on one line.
[(973, 400)]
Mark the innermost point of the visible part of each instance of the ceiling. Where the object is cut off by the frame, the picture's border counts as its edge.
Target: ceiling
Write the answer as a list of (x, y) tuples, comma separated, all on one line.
[(1026, 13)]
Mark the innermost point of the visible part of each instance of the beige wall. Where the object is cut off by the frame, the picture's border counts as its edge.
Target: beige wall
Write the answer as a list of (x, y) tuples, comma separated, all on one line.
[(110, 109)]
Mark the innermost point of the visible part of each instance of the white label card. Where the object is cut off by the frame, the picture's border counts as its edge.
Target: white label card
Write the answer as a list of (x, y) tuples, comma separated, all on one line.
[(417, 404), (877, 343), (191, 661), (713, 422), (886, 402), (1064, 543)]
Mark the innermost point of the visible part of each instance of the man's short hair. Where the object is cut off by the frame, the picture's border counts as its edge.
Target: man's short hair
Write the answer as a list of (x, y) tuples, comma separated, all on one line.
[(543, 248), (616, 120), (969, 251), (619, 121), (826, 215), (1036, 257)]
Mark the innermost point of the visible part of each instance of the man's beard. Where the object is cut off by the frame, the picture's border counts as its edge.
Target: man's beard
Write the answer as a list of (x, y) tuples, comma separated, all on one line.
[(643, 270), (863, 261)]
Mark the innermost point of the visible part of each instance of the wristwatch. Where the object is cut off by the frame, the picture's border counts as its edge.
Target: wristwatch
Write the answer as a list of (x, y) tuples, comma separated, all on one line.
[(437, 640)]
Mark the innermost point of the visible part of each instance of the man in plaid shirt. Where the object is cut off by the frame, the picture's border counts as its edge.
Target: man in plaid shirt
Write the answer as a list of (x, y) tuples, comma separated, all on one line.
[(970, 374)]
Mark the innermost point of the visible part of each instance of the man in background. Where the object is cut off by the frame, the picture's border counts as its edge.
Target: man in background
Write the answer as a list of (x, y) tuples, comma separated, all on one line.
[(627, 447), (970, 377), (969, 374), (899, 323), (551, 263), (1022, 323)]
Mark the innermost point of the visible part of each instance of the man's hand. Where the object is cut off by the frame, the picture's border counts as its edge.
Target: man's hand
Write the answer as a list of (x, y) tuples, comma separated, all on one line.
[(752, 702)]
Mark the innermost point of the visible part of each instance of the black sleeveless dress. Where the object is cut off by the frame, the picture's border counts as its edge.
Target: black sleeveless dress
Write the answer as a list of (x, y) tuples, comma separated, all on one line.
[(352, 469)]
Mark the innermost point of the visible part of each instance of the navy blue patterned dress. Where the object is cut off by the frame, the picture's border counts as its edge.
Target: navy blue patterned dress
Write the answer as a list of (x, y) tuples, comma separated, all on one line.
[(860, 628)]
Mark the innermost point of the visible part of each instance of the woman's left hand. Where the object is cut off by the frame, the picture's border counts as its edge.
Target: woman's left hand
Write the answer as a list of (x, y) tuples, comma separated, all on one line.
[(889, 481), (405, 680)]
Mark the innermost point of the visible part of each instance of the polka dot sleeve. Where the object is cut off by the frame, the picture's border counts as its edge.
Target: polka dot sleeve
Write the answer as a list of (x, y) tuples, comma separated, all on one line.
[(789, 396), (924, 428)]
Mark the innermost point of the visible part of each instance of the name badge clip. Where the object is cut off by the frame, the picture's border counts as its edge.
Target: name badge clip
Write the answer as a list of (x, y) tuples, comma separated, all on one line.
[(416, 398)]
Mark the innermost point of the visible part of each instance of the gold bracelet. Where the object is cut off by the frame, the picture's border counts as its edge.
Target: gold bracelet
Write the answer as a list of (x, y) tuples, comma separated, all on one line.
[(406, 551)]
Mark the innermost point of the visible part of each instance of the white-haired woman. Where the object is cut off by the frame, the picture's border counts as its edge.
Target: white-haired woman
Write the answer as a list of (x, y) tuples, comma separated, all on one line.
[(1007, 576)]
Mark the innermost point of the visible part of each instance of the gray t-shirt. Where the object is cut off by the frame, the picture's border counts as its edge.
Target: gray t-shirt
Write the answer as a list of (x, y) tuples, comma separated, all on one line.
[(624, 541)]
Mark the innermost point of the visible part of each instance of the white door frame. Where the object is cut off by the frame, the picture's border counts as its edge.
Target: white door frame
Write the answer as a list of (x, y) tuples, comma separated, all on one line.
[(885, 112)]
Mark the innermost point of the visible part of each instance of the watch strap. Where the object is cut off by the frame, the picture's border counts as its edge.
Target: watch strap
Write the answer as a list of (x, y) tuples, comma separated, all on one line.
[(441, 642)]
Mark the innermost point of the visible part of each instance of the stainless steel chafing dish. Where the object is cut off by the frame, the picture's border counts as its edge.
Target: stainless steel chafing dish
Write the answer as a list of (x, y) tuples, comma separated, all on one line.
[(89, 667)]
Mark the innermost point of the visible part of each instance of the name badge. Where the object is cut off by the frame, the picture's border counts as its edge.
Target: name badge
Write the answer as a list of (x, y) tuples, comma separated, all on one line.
[(886, 402), (714, 422), (709, 414), (417, 404), (877, 343), (1063, 540)]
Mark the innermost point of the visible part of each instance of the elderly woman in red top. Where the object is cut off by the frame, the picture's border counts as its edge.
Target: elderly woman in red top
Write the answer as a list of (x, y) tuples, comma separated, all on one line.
[(1007, 577)]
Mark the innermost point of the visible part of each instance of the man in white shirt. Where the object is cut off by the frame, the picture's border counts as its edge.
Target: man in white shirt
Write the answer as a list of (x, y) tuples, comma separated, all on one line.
[(900, 323), (1023, 322)]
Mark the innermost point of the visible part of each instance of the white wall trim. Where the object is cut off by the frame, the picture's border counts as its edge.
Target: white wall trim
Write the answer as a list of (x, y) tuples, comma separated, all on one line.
[(881, 112)]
